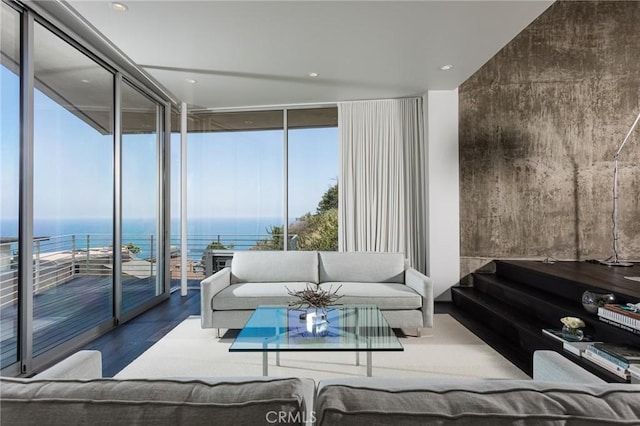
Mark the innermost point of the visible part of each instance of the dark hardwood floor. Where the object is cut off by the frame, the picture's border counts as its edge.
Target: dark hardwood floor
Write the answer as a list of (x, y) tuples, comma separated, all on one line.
[(125, 343), (65, 311)]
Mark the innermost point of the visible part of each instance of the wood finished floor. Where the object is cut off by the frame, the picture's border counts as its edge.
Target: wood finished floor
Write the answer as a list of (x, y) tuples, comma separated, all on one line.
[(125, 343), (67, 310)]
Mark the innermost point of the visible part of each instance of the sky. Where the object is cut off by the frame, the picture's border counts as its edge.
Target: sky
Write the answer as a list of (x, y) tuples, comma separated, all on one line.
[(240, 174), (233, 174)]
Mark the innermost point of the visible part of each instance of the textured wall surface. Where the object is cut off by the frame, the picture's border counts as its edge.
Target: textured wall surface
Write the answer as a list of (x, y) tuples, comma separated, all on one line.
[(539, 125)]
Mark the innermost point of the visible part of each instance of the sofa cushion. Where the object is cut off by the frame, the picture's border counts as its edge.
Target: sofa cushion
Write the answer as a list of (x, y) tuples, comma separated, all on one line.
[(149, 402), (362, 267), (251, 295), (477, 402), (389, 296), (274, 266)]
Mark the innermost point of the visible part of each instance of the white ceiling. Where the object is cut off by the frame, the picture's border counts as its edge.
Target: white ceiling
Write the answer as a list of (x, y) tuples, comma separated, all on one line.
[(258, 53)]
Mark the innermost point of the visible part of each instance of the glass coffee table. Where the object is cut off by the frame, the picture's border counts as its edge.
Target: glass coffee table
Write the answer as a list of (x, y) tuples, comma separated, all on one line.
[(355, 328)]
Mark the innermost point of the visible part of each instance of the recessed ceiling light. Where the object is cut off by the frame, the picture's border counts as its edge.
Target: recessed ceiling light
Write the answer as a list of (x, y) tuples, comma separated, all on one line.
[(446, 67), (313, 74), (119, 7), (190, 80)]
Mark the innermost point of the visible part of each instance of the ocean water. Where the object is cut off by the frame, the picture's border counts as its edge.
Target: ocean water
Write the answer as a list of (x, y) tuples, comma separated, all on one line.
[(242, 233)]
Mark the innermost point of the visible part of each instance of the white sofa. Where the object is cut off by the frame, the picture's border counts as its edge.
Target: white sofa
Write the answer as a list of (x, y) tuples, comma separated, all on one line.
[(404, 295)]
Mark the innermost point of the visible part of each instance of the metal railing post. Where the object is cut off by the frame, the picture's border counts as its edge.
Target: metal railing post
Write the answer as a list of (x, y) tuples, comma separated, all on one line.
[(151, 257), (88, 245), (73, 255), (37, 267)]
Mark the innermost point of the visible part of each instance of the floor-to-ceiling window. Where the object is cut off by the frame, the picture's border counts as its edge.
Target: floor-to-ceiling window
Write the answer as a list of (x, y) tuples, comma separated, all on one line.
[(313, 178), (235, 181), (141, 121), (73, 191), (242, 167), (9, 176), (77, 203)]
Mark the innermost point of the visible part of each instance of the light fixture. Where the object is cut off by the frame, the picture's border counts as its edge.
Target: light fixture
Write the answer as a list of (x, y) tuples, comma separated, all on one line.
[(190, 80), (85, 81), (446, 67), (313, 74), (119, 7), (614, 260)]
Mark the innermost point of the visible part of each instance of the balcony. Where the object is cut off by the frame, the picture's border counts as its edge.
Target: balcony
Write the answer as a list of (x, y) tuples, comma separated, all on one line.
[(73, 281)]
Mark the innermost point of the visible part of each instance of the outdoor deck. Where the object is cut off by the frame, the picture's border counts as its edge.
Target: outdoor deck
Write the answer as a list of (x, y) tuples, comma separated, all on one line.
[(69, 309)]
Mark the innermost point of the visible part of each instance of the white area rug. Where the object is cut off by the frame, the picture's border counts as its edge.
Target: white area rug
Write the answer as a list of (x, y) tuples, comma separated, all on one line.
[(451, 350)]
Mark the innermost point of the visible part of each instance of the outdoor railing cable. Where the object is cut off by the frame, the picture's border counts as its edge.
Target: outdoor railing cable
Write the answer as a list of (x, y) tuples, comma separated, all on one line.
[(61, 258)]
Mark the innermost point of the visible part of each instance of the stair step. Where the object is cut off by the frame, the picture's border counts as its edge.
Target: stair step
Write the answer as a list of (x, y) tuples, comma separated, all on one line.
[(510, 316), (513, 354), (522, 333), (569, 279), (545, 307), (514, 304)]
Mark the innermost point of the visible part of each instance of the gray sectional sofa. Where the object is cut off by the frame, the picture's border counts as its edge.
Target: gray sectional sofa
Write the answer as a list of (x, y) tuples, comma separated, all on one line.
[(73, 393), (404, 295), (474, 402)]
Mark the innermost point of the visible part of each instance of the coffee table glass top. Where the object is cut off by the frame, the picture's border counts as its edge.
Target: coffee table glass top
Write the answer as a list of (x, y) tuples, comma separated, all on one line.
[(338, 328)]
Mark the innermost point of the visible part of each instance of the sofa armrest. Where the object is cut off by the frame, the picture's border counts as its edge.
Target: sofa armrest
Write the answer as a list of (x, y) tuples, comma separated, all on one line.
[(550, 366), (423, 285), (209, 287), (81, 365)]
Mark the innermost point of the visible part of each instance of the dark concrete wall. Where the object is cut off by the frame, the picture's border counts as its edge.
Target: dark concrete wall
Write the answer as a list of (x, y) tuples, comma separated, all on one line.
[(539, 125)]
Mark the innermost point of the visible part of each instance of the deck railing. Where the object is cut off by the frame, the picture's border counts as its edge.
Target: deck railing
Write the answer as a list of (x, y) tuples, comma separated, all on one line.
[(59, 259)]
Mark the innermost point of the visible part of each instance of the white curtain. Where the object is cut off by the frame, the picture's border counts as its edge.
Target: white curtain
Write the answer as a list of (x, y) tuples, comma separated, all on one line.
[(382, 176)]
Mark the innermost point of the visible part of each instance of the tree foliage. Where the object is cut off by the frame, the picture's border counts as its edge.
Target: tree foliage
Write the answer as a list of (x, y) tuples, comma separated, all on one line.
[(134, 249), (273, 241), (329, 200), (318, 231)]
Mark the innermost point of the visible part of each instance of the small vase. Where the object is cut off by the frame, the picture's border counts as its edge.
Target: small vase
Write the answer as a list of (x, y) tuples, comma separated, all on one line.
[(572, 334), (591, 301), (316, 321)]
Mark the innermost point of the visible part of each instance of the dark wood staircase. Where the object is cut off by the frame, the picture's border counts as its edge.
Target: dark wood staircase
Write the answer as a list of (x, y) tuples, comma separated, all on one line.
[(509, 308)]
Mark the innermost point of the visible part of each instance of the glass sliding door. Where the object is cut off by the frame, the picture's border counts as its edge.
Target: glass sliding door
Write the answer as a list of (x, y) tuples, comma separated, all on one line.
[(73, 192), (313, 178), (10, 178), (141, 120), (59, 203)]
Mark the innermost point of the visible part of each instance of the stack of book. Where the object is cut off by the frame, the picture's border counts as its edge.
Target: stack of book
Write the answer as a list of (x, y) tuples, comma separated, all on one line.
[(620, 316), (614, 358)]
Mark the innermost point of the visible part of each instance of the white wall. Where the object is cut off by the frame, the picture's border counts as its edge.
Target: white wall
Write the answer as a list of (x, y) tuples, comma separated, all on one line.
[(441, 138)]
